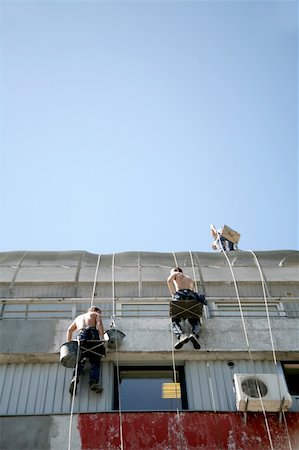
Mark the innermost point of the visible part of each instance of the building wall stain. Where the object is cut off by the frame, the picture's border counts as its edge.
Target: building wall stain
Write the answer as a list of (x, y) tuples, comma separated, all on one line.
[(187, 431)]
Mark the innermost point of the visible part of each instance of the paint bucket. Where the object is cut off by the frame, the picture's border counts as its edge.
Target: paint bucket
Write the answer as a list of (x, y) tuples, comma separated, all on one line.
[(68, 354), (114, 337)]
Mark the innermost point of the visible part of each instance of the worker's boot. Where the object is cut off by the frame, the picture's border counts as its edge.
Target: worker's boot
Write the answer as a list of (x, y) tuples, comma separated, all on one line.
[(194, 339), (182, 340), (95, 387)]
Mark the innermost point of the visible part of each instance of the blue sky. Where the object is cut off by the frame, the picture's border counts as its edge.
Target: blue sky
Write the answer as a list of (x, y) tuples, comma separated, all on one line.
[(133, 125)]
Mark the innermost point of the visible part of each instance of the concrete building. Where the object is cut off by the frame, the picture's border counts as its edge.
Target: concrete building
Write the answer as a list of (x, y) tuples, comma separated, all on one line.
[(153, 397)]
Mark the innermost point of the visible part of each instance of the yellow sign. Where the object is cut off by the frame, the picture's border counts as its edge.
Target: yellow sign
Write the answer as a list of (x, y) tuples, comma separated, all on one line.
[(171, 390)]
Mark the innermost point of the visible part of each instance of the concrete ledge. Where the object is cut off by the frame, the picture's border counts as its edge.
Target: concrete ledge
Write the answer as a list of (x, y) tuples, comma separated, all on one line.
[(141, 357)]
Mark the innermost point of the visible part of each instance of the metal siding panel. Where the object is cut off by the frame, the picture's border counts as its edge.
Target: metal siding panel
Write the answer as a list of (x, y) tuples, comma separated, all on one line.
[(228, 382), (43, 388), (219, 380), (3, 386), (209, 397), (7, 388), (16, 387), (50, 389), (214, 380), (198, 386), (24, 393)]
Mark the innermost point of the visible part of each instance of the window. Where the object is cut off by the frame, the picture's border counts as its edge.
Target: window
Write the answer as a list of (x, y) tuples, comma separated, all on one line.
[(291, 373), (150, 389), (248, 310)]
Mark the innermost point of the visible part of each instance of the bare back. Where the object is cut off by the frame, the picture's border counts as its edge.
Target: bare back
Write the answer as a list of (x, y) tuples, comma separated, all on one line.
[(178, 281), (88, 319)]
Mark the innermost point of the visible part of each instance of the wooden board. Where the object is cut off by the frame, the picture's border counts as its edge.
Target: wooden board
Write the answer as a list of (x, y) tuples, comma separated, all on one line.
[(185, 309), (230, 234)]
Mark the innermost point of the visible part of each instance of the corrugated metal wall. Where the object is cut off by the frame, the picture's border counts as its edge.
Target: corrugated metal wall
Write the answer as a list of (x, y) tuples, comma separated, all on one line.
[(43, 388), (210, 384)]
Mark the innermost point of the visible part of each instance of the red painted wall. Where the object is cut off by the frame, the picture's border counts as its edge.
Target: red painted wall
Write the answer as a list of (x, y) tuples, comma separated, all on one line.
[(188, 431)]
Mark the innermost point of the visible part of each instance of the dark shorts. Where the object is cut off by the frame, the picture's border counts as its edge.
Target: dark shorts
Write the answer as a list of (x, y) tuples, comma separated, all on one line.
[(187, 294)]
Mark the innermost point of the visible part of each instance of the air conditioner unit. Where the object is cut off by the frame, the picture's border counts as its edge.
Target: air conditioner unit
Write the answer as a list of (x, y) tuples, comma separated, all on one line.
[(271, 389)]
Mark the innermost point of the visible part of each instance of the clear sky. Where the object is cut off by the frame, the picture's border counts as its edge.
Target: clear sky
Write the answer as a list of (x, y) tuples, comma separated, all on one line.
[(133, 125)]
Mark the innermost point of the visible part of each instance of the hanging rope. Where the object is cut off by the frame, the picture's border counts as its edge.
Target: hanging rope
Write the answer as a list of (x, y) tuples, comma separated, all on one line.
[(271, 337), (73, 397), (211, 386), (174, 370), (208, 366), (247, 344), (95, 280), (175, 260), (77, 359), (172, 350), (113, 325), (194, 276)]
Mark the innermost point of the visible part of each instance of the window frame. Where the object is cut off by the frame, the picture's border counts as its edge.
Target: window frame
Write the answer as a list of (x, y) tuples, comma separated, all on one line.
[(149, 368), (288, 375), (215, 309)]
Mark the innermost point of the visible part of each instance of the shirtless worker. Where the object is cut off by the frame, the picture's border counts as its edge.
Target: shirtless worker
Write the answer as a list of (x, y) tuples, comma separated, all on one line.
[(182, 287), (90, 327)]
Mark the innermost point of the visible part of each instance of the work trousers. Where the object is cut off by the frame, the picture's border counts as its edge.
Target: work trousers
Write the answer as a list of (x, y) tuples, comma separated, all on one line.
[(90, 334)]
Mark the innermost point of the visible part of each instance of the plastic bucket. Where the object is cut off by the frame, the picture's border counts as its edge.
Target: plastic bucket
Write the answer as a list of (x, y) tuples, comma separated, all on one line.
[(68, 354)]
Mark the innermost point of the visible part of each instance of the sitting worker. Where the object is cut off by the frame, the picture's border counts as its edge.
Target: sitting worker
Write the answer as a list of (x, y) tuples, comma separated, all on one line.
[(182, 287), (90, 327), (220, 242)]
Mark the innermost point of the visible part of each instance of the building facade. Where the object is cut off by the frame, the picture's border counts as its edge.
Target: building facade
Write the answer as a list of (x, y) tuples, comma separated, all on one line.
[(239, 391)]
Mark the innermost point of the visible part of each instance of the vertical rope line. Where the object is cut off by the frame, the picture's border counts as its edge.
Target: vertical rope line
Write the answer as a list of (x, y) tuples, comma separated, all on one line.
[(116, 352), (211, 386), (287, 430), (172, 346), (194, 275), (73, 397), (208, 366), (95, 280), (119, 397), (271, 336), (266, 304), (248, 347), (175, 260), (174, 368), (113, 286), (77, 359)]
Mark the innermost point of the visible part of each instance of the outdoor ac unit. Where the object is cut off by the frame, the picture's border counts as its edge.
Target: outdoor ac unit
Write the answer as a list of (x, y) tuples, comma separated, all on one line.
[(271, 389)]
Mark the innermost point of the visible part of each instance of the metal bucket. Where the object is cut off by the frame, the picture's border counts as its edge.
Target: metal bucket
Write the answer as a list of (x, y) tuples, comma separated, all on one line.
[(114, 337), (68, 354)]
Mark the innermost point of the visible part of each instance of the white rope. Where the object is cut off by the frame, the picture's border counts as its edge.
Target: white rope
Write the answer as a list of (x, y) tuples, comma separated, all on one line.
[(172, 350), (113, 285), (208, 366), (95, 280), (73, 397), (116, 352), (174, 371), (175, 260), (248, 347), (77, 359), (271, 337), (211, 386), (266, 304), (194, 275)]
